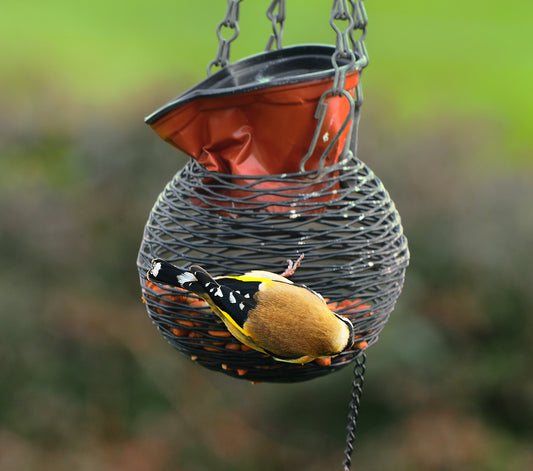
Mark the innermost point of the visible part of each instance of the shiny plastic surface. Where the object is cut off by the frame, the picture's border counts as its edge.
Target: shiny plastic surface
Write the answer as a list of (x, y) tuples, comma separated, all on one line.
[(257, 116)]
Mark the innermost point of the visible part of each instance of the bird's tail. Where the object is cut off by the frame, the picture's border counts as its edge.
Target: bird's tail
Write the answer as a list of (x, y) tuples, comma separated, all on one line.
[(168, 274)]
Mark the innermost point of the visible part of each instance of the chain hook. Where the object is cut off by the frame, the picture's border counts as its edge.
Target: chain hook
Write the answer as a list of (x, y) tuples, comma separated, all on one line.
[(320, 115), (350, 54), (353, 411)]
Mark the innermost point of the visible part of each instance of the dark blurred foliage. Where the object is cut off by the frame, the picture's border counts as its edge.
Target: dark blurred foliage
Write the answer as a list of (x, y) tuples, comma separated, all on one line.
[(88, 383)]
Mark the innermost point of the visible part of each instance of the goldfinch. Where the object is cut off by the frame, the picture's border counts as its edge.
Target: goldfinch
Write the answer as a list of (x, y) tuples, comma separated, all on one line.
[(265, 311)]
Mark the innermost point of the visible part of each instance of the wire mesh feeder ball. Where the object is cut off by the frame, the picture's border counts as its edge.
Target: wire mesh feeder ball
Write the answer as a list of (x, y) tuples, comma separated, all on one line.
[(256, 193)]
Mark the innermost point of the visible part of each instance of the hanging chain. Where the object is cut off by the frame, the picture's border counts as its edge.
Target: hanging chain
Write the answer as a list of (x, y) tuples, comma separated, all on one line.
[(350, 54), (275, 13), (277, 19), (231, 22), (340, 12), (360, 23), (357, 389), (347, 47)]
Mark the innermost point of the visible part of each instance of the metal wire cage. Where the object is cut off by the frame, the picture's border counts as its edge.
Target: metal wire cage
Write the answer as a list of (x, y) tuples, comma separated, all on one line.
[(336, 212)]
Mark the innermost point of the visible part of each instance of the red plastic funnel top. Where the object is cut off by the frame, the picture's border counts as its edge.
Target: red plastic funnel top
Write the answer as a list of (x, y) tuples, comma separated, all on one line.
[(256, 117)]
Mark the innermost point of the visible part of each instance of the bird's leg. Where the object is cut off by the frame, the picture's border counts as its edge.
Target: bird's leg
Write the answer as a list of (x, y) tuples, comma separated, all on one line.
[(292, 267)]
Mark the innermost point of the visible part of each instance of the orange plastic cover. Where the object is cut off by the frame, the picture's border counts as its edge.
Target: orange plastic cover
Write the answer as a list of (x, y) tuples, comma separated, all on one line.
[(263, 132), (260, 133)]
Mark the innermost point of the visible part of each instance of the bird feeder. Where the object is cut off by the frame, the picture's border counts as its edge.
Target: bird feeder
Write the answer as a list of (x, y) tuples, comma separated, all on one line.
[(273, 175)]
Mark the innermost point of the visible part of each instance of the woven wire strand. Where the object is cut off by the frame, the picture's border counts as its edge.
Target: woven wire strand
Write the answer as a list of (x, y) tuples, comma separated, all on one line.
[(347, 227)]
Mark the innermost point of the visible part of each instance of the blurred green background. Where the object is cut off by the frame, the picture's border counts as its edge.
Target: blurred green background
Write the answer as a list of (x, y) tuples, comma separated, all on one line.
[(87, 383)]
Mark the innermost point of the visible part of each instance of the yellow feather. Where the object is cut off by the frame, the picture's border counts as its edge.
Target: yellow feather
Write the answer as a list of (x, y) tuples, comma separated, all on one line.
[(235, 329)]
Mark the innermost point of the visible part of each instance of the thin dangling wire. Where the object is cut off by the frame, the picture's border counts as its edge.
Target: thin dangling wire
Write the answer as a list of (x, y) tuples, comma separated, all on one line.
[(357, 389)]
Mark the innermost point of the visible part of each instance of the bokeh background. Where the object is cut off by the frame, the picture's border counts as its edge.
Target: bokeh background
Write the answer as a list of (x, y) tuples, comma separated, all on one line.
[(87, 383)]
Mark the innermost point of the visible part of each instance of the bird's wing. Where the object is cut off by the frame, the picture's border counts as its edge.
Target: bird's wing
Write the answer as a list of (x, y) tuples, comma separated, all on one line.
[(231, 297)]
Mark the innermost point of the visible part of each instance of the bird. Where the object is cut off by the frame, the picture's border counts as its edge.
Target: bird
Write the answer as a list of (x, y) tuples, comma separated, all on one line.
[(265, 311)]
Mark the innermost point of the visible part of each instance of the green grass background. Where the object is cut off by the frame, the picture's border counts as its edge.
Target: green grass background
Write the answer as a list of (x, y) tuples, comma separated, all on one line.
[(86, 381)]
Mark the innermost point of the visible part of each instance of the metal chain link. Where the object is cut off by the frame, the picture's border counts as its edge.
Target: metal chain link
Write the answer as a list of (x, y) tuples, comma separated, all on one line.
[(231, 22), (350, 54), (360, 22), (277, 19), (357, 389)]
